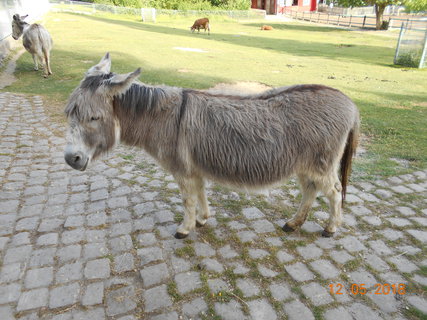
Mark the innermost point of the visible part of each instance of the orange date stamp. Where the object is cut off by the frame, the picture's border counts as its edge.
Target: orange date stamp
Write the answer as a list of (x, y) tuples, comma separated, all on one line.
[(379, 288)]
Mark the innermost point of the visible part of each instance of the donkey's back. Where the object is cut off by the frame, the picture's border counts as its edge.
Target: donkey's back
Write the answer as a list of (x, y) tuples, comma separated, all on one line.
[(259, 140)]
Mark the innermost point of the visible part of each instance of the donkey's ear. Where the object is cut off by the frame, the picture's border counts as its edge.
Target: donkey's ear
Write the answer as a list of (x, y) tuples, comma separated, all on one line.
[(103, 67), (23, 17), (16, 17), (120, 83)]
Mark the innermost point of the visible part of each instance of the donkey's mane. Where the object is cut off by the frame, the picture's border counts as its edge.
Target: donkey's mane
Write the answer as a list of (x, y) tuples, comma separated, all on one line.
[(139, 99)]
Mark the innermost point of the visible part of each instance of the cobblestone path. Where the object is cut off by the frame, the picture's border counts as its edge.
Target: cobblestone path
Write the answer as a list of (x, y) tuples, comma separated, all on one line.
[(100, 245)]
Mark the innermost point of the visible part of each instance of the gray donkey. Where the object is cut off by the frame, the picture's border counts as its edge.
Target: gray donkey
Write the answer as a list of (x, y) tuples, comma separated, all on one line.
[(36, 40), (249, 142)]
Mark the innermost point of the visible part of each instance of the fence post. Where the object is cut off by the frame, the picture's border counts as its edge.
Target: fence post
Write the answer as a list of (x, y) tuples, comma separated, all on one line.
[(423, 55), (398, 44), (327, 21), (318, 17), (349, 23), (153, 14), (364, 20), (338, 22), (310, 16)]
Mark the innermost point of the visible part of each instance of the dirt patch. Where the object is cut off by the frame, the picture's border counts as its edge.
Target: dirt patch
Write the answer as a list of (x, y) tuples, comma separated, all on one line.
[(239, 88)]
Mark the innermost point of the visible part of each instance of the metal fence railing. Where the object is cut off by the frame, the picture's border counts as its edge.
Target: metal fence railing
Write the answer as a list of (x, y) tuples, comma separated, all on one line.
[(368, 22), (411, 49), (149, 14)]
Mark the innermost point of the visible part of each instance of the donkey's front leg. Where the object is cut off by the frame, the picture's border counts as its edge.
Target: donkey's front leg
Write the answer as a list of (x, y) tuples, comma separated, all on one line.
[(203, 212), (189, 199)]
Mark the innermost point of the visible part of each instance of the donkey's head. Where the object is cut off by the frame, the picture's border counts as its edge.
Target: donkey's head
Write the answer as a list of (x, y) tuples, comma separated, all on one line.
[(18, 24), (93, 127)]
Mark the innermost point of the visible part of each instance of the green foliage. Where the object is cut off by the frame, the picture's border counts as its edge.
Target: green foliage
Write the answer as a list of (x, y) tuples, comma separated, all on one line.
[(409, 59), (415, 5), (180, 4)]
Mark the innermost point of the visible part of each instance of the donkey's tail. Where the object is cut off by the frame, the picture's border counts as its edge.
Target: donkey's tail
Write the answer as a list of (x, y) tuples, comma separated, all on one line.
[(347, 157)]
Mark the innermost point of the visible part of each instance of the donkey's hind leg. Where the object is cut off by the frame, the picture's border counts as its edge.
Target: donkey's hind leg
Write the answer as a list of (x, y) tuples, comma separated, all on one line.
[(203, 212), (331, 187), (309, 192), (188, 188), (36, 61)]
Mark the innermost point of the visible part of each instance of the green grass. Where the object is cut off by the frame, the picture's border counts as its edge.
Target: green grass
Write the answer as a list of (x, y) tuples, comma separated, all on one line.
[(392, 99)]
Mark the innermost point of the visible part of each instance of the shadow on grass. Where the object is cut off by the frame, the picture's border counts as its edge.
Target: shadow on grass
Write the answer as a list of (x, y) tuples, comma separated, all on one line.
[(69, 69), (293, 27), (361, 53)]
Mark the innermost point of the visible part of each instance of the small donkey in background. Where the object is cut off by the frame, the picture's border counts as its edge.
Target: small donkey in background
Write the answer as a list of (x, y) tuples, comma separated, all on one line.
[(36, 40)]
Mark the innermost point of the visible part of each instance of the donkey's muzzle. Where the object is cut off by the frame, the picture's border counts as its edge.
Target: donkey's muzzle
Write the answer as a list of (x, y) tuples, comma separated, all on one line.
[(76, 160)]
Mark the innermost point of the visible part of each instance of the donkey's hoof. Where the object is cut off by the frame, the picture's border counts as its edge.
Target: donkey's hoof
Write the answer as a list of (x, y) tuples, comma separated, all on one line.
[(199, 224), (180, 235), (327, 234), (287, 228)]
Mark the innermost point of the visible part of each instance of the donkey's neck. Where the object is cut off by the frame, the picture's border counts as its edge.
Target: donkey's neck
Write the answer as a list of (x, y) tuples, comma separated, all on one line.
[(148, 117)]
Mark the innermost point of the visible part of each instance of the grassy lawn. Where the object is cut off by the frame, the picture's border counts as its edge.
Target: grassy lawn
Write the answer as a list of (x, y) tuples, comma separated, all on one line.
[(392, 100)]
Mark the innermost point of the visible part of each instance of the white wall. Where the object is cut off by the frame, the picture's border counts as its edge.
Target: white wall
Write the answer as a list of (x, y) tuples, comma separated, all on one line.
[(35, 10)]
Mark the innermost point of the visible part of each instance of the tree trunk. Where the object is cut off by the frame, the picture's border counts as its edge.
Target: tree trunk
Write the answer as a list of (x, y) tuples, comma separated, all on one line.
[(379, 11)]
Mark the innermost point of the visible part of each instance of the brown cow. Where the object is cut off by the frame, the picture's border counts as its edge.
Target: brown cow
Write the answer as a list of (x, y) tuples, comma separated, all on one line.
[(201, 23)]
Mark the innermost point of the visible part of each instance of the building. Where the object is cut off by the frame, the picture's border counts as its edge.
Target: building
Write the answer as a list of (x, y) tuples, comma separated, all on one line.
[(281, 6)]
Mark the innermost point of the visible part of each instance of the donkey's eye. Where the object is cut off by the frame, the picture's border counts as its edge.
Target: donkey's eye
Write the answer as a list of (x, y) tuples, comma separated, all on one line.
[(94, 118)]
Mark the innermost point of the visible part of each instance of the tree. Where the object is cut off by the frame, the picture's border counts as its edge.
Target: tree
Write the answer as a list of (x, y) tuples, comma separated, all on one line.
[(379, 5), (416, 5)]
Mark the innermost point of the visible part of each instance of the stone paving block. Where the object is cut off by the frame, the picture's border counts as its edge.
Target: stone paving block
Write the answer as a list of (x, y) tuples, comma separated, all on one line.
[(6, 313), (122, 243), (120, 301), (180, 265), (284, 256), (194, 308), (120, 229), (32, 299), (166, 316), (403, 264), (96, 219), (380, 247), (93, 314), (94, 250), (21, 239), (362, 276), (94, 294), (385, 302), (188, 281), (310, 251), (266, 272), (325, 268), (280, 291), (299, 272), (42, 257), (72, 236), (258, 253), (149, 254), (419, 235), (337, 313), (64, 295), (247, 236), (41, 277), (203, 249), (261, 309), (399, 222), (10, 272), (372, 220), (376, 262), (124, 262), (97, 269), (252, 213), (352, 244), (212, 265), (70, 272), (248, 287), (48, 239), (68, 253), (156, 298), (49, 225), (154, 274), (392, 234), (317, 294), (230, 311), (263, 226), (146, 239), (217, 285), (227, 252), (418, 303), (296, 310), (362, 312), (10, 293)]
